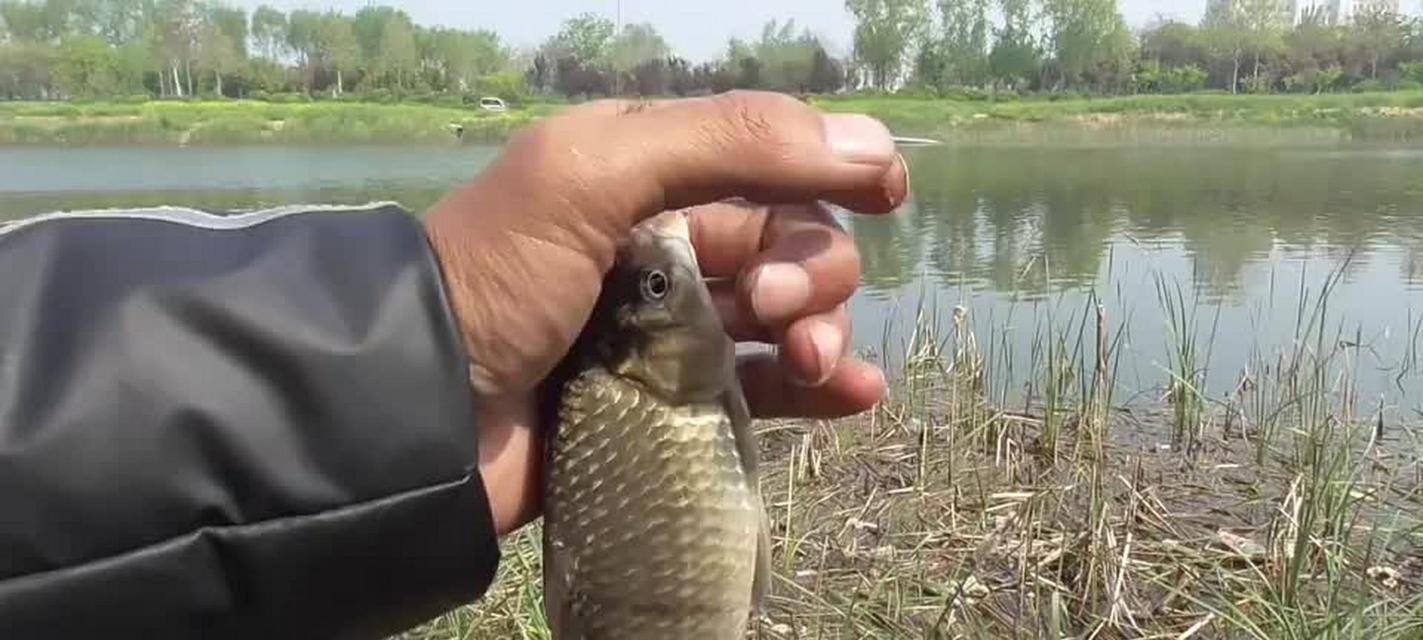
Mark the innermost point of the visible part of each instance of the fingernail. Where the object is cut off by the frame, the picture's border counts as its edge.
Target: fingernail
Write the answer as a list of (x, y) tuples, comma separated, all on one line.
[(779, 290), (858, 139), (828, 343)]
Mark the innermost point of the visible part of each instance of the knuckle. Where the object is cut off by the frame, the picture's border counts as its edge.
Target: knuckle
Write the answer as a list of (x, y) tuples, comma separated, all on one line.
[(752, 117)]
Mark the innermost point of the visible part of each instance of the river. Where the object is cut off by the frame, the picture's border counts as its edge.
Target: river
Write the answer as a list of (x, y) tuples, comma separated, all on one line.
[(1028, 239)]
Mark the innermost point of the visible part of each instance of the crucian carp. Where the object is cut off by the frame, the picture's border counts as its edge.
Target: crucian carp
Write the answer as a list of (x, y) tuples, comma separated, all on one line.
[(654, 527)]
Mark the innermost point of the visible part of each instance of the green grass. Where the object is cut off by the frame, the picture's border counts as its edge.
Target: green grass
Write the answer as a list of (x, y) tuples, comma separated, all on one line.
[(1397, 115), (1390, 116)]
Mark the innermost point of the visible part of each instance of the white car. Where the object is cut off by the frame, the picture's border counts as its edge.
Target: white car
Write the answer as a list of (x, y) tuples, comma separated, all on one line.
[(492, 104)]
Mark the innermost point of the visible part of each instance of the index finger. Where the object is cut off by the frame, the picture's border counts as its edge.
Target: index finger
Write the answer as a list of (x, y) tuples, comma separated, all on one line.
[(617, 167)]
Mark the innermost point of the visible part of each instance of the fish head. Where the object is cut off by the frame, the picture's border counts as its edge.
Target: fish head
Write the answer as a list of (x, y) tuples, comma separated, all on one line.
[(655, 321)]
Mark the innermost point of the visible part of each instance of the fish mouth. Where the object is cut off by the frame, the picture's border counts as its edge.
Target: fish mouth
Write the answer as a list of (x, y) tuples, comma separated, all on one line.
[(668, 224), (670, 231)]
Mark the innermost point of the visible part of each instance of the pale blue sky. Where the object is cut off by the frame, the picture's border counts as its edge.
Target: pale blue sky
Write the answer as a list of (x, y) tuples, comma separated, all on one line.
[(699, 28)]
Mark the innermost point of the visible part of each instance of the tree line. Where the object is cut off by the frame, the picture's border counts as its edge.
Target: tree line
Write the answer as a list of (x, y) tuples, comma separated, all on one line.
[(62, 49), (1255, 46), (179, 48)]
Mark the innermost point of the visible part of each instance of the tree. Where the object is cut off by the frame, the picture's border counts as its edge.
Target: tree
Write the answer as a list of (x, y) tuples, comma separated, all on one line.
[(884, 30), (749, 73), (398, 57), (651, 77), (179, 25), (269, 31), (1015, 57), (1173, 44), (25, 21), (455, 60), (1090, 40), (370, 23), (1262, 24), (222, 42), (1378, 32), (637, 45), (964, 41), (302, 28), (336, 43), (826, 75), (85, 67), (26, 71), (784, 57), (119, 22), (217, 53), (231, 23), (588, 38)]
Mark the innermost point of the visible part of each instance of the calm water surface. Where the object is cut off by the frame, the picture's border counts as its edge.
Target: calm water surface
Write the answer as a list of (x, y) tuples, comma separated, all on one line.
[(1027, 239)]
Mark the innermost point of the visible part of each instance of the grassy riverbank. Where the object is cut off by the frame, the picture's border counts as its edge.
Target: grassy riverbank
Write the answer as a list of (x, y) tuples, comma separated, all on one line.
[(1370, 116), (1365, 116), (247, 122), (1283, 508)]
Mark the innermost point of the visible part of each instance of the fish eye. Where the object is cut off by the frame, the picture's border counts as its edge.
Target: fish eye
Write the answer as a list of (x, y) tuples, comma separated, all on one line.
[(655, 285)]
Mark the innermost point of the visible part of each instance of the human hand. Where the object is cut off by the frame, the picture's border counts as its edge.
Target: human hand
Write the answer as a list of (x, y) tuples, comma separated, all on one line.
[(524, 248)]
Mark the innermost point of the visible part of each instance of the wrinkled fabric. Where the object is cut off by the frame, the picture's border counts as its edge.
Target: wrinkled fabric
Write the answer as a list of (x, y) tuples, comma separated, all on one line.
[(233, 426)]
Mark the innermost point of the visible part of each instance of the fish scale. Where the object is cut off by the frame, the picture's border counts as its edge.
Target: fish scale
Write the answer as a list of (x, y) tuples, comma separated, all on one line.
[(651, 514)]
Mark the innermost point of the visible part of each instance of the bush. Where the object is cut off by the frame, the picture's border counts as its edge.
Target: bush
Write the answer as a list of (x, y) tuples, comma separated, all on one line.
[(509, 86), (967, 94), (1412, 71), (918, 91), (49, 110), (1370, 85), (287, 98)]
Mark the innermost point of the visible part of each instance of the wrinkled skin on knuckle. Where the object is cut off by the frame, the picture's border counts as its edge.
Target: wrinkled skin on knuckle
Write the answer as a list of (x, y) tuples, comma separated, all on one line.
[(757, 123), (566, 188)]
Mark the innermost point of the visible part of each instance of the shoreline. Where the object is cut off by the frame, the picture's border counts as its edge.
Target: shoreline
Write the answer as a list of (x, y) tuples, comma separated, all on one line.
[(1392, 117)]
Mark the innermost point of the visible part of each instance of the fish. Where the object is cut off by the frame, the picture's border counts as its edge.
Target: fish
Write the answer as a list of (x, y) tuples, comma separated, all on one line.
[(654, 524)]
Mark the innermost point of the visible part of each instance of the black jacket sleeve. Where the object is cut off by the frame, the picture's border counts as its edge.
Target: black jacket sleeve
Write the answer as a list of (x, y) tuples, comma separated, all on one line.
[(252, 426)]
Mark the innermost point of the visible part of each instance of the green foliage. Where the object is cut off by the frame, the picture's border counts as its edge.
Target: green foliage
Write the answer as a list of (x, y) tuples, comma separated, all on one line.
[(88, 66), (1413, 71), (1314, 80), (884, 30), (587, 37), (1091, 42), (959, 54), (1015, 58), (637, 45), (507, 85), (269, 28), (1152, 78)]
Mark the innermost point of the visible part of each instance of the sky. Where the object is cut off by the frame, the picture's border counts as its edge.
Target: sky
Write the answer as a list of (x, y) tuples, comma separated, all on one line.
[(698, 29)]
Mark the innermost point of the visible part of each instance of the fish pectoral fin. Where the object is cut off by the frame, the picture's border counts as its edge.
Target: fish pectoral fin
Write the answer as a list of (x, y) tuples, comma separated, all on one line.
[(761, 584), (747, 449)]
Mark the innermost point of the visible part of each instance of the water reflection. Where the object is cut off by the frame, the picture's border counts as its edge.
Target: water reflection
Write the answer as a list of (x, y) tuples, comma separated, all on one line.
[(1028, 220)]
